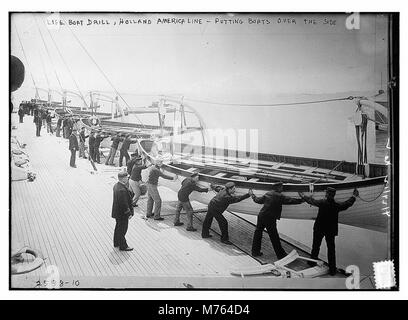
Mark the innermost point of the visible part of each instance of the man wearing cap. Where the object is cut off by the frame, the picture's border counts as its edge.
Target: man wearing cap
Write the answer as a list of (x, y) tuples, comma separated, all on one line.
[(217, 206), (97, 142), (136, 178), (153, 196), (91, 145), (133, 158), (82, 138), (125, 148), (122, 211), (271, 211), (114, 146), (326, 224), (187, 186), (73, 146), (58, 129)]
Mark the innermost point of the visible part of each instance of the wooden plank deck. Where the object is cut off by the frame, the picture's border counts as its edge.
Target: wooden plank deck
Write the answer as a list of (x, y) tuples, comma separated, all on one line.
[(65, 213)]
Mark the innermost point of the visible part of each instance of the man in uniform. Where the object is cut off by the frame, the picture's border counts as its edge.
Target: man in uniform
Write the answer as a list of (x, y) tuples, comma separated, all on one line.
[(73, 146), (82, 138), (271, 211), (58, 129), (96, 153), (122, 211), (217, 206), (38, 122), (326, 224), (187, 186), (114, 146), (153, 195), (124, 149), (135, 178), (21, 114), (48, 119)]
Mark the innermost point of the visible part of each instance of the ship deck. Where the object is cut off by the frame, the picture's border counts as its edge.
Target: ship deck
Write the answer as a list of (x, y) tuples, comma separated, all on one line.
[(65, 214)]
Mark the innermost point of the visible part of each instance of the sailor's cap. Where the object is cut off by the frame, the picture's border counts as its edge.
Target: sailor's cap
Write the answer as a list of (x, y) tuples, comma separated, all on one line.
[(229, 185), (122, 174), (331, 190)]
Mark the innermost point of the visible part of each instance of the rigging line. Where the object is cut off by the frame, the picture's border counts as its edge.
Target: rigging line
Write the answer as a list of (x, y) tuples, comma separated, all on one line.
[(45, 73), (269, 104), (25, 56), (100, 69), (66, 65), (48, 53)]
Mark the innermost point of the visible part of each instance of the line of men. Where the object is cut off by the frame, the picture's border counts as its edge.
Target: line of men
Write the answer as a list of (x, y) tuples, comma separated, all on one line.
[(325, 226)]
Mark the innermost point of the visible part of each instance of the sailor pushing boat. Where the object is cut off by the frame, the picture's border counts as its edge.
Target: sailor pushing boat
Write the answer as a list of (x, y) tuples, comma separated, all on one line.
[(217, 206), (188, 185), (326, 224), (271, 211)]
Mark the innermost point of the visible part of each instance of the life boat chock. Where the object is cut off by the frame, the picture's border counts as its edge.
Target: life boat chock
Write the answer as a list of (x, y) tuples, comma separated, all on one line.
[(280, 268), (20, 266)]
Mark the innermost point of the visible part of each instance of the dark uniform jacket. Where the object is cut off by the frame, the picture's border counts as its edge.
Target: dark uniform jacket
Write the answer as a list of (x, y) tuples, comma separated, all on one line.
[(223, 199), (126, 144), (73, 142), (272, 204), (129, 165), (98, 140), (82, 136), (59, 121), (187, 186), (38, 120), (122, 202), (136, 173), (48, 119), (115, 142), (91, 141), (154, 175), (328, 215)]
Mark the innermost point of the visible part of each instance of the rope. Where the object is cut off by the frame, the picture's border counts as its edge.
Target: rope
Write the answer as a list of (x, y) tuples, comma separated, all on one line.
[(43, 66), (25, 56), (100, 69), (66, 65), (364, 200), (270, 104), (48, 53)]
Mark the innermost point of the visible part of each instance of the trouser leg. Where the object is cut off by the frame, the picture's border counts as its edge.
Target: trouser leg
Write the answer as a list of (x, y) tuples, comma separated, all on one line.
[(96, 155), (91, 154), (150, 201), (257, 240), (154, 193), (121, 228), (127, 157), (134, 186), (223, 223), (82, 149), (72, 160), (109, 156), (178, 209), (331, 253), (112, 154), (274, 236), (189, 211), (207, 224), (317, 241), (121, 155)]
